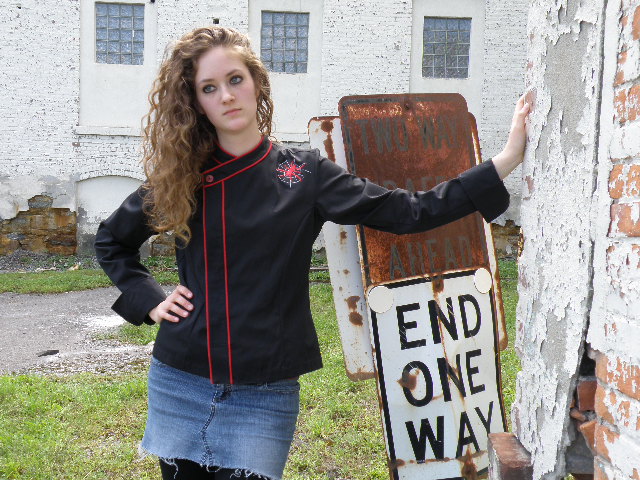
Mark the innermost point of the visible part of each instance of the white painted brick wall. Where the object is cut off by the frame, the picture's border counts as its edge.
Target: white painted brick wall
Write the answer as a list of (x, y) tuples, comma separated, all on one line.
[(505, 58), (366, 49)]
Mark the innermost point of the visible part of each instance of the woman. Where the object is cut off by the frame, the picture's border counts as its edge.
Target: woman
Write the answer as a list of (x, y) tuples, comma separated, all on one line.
[(237, 332)]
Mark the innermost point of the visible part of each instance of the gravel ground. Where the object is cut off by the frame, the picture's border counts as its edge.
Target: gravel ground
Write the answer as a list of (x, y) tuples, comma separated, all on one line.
[(23, 261), (58, 334)]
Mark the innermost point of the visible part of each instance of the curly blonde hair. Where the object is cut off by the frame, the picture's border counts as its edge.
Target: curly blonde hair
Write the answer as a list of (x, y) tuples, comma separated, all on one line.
[(177, 139)]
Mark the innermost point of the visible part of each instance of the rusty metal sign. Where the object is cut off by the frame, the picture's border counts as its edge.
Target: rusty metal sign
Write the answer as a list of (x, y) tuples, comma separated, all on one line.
[(413, 141), (438, 374), (341, 245)]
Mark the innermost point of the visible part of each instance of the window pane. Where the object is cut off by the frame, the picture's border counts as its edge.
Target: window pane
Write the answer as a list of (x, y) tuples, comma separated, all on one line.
[(137, 59), (138, 35), (138, 47), (290, 19), (114, 9), (101, 58), (138, 23), (114, 47), (126, 23), (101, 9), (114, 35), (125, 35), (445, 47), (283, 47), (126, 10), (101, 34), (101, 47), (126, 59), (113, 58), (138, 10)]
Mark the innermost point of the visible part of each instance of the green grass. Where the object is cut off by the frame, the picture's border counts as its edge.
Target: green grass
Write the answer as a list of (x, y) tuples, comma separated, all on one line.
[(510, 363), (88, 426)]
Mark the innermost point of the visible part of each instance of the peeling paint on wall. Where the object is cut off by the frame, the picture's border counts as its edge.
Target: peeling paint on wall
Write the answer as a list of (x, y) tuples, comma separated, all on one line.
[(556, 264)]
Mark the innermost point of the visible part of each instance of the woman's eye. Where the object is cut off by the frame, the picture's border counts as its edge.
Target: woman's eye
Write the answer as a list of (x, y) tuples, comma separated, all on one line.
[(208, 88), (235, 79)]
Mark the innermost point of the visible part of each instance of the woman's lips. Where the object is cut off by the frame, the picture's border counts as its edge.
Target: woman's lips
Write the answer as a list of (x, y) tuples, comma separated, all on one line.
[(232, 111)]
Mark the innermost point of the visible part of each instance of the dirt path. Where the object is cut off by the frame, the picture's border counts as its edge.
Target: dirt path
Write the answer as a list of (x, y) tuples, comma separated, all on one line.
[(56, 333)]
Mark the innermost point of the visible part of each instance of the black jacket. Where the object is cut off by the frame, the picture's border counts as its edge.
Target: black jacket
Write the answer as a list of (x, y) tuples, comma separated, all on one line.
[(248, 260)]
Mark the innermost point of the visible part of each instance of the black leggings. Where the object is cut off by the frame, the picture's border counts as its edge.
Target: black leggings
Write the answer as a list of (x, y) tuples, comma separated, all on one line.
[(188, 470)]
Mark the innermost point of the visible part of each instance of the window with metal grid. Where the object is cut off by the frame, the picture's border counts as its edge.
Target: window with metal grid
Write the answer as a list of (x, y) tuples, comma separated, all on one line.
[(446, 43), (120, 33), (284, 41)]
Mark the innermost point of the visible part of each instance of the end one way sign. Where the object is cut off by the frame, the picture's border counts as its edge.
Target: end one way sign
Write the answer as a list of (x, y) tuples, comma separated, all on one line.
[(436, 356)]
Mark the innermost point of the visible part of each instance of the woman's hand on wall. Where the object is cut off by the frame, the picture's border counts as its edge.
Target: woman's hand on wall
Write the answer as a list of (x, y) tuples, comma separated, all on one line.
[(177, 302), (513, 152)]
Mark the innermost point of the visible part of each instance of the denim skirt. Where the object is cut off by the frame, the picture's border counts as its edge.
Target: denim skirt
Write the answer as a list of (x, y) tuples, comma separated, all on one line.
[(242, 427)]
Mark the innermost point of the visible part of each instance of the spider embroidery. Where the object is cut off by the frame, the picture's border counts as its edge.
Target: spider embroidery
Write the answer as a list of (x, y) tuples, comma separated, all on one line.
[(290, 172)]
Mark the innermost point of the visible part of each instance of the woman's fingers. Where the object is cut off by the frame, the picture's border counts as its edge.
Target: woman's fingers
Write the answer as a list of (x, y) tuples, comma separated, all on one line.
[(175, 303)]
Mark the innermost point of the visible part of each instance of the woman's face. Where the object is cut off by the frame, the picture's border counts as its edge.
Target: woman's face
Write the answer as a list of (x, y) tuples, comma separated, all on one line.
[(226, 93)]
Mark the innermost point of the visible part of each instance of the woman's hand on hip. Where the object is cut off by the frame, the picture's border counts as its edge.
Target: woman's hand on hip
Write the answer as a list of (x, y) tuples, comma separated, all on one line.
[(176, 303), (513, 152)]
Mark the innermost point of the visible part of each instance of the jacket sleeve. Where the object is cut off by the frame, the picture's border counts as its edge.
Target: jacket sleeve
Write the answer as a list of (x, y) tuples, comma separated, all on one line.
[(117, 246), (347, 199)]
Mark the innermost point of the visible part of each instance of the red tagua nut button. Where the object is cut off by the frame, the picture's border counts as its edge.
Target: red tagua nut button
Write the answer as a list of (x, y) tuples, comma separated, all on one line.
[(209, 178)]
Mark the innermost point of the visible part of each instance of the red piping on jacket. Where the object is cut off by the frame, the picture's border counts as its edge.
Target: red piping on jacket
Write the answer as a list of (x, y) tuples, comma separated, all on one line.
[(234, 158), (226, 284), (240, 171), (206, 282), (224, 249)]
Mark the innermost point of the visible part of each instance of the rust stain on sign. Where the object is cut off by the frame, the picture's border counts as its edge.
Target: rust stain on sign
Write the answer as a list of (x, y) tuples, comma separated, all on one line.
[(413, 141), (355, 317), (327, 127)]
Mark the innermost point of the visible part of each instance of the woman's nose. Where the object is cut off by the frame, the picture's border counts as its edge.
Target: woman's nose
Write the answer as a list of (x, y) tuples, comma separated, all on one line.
[(227, 96)]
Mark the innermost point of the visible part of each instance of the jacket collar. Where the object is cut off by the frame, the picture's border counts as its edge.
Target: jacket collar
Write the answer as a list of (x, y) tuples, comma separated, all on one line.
[(227, 165)]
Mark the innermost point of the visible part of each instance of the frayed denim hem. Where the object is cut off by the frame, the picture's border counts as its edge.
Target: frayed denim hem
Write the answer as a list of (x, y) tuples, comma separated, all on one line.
[(238, 472)]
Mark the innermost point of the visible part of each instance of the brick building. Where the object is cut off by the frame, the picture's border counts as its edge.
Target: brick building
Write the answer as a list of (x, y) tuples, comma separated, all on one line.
[(76, 74), (578, 396)]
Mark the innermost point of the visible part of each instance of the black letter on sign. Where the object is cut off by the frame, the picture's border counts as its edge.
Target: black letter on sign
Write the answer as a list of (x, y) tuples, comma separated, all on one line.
[(437, 315), (403, 326), (465, 424), (406, 377), (445, 370), (420, 445), (486, 422), (462, 299), (471, 371)]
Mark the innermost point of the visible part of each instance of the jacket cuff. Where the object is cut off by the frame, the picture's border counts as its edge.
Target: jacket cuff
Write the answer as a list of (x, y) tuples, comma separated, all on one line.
[(134, 304), (486, 190)]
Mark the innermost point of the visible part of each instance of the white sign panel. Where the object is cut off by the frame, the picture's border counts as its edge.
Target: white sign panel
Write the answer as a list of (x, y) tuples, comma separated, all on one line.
[(438, 367), (341, 245)]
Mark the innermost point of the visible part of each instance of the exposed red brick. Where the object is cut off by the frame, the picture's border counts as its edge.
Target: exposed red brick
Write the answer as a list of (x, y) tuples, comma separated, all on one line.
[(585, 393), (635, 25), (624, 221), (627, 104), (577, 415), (623, 184), (603, 437), (601, 409), (599, 473), (621, 376), (622, 59), (509, 460), (588, 429)]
